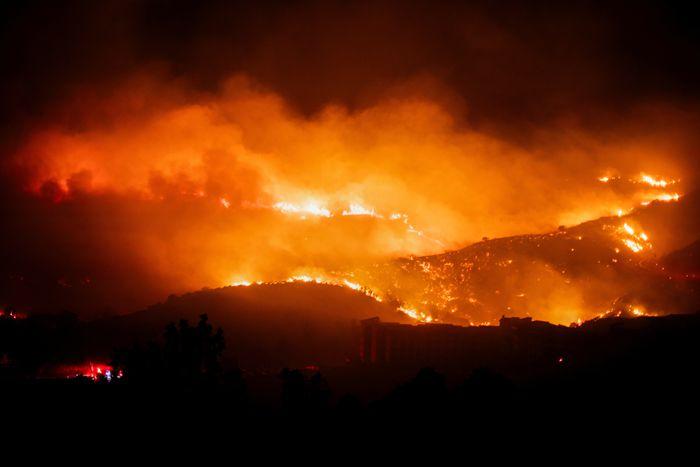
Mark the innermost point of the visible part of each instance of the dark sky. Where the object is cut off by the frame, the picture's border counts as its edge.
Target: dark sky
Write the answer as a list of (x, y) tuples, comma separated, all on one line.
[(520, 61)]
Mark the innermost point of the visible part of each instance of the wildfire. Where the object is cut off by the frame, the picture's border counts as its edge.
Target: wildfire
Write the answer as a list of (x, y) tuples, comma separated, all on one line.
[(626, 310), (411, 312), (655, 182), (352, 285), (665, 197), (650, 194), (169, 172), (312, 208), (241, 284), (317, 279), (359, 210), (643, 178), (417, 315), (635, 241), (317, 208)]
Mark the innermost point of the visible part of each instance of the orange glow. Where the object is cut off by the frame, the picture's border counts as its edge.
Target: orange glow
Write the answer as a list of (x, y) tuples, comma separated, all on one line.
[(238, 188), (655, 182), (635, 241), (312, 208)]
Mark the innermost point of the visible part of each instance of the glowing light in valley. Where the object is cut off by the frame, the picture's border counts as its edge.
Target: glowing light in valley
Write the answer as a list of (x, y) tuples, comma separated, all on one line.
[(225, 203)]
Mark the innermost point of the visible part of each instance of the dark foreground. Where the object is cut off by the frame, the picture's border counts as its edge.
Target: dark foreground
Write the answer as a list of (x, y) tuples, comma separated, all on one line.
[(610, 376)]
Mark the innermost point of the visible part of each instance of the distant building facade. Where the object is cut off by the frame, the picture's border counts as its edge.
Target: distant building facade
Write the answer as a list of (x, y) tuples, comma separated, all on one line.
[(444, 345)]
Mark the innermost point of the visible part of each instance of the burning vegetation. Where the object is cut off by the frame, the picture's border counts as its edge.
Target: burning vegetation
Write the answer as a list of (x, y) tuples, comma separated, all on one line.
[(486, 211), (235, 188), (451, 186)]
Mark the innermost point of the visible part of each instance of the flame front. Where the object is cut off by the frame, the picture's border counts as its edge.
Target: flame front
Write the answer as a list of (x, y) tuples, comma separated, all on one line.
[(236, 188)]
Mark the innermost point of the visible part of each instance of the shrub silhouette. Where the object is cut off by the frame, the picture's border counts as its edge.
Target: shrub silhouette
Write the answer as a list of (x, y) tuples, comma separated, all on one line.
[(190, 355)]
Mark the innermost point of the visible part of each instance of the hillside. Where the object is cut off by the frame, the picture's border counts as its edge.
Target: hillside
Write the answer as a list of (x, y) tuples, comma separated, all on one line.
[(573, 273), (266, 325)]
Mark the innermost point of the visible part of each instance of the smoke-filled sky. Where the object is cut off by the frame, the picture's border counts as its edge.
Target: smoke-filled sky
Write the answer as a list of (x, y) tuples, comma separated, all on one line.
[(164, 146)]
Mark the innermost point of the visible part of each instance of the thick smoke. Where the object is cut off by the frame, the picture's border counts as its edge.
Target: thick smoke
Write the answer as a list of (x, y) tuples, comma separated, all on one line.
[(158, 155)]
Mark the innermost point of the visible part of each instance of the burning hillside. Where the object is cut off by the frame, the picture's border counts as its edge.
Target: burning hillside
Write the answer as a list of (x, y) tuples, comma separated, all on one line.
[(173, 170), (610, 265), (159, 190)]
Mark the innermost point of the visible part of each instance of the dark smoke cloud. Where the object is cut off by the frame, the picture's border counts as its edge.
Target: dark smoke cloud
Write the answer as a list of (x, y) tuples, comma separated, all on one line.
[(516, 61)]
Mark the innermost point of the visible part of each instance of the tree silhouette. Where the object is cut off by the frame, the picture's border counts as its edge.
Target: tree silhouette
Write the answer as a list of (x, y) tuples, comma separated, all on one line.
[(190, 355)]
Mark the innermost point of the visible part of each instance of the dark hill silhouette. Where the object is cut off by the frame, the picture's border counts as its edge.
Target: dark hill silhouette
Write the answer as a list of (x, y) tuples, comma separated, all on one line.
[(685, 261), (266, 325)]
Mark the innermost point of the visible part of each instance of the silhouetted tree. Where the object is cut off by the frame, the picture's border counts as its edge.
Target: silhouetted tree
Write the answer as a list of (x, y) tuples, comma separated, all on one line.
[(189, 356)]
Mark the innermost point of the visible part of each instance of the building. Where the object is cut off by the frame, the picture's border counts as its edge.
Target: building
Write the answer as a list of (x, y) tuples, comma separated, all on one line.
[(445, 345)]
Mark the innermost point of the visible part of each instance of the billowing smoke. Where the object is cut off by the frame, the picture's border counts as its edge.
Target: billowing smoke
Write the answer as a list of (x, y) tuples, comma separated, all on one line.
[(168, 178)]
